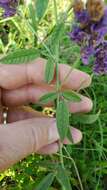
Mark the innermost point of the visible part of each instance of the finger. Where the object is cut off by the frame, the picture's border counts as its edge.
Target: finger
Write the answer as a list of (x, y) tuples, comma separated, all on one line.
[(19, 139), (25, 112), (24, 95), (22, 113), (15, 76), (76, 136), (84, 106), (73, 78), (53, 148), (50, 149), (32, 94)]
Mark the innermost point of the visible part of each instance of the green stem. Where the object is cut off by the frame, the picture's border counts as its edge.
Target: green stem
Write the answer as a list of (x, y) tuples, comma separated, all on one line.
[(61, 159), (76, 169), (61, 155), (58, 99), (58, 82), (55, 11)]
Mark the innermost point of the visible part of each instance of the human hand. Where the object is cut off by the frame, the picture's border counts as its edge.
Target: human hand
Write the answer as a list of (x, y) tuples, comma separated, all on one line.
[(28, 131)]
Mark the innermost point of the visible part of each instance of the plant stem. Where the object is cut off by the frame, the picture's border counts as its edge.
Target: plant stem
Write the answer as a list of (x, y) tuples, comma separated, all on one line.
[(57, 79), (76, 169), (55, 11), (61, 155), (58, 99), (61, 159)]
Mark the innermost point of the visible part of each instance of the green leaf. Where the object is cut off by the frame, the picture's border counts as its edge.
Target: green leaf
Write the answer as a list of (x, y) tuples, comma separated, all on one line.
[(69, 135), (71, 96), (41, 6), (62, 115), (57, 35), (20, 56), (49, 71), (46, 182), (63, 178), (48, 97), (86, 118), (32, 15)]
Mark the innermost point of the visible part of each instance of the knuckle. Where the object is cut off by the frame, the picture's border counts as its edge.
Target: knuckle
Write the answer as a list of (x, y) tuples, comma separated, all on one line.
[(35, 140)]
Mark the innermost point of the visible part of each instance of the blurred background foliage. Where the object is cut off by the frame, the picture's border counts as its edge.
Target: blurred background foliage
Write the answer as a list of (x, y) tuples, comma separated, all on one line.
[(86, 163)]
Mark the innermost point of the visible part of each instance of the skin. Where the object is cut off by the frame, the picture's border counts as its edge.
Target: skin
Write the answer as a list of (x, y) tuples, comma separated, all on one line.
[(28, 131)]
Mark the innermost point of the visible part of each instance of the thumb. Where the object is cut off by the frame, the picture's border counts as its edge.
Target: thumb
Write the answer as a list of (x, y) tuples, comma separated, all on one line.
[(19, 139), (44, 132)]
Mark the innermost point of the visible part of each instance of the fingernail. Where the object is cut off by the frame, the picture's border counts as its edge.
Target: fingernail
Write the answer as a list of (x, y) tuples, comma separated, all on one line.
[(86, 82), (53, 133), (85, 105), (76, 135)]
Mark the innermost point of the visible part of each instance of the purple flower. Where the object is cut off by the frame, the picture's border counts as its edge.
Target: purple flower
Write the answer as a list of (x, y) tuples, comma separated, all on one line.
[(100, 64), (86, 53), (9, 7), (82, 17), (78, 35), (100, 27), (103, 21), (90, 36)]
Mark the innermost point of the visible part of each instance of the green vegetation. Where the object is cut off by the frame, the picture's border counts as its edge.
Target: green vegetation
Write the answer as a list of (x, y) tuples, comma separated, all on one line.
[(42, 30)]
